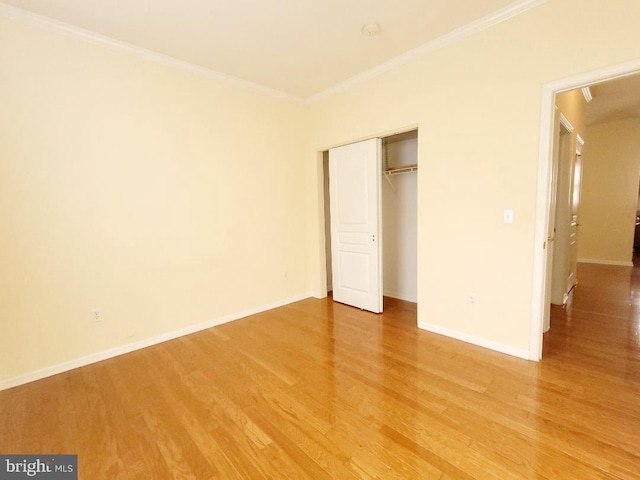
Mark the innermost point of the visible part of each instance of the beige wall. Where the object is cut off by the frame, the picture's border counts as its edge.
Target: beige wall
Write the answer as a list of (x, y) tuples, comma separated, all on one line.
[(163, 198), (572, 105), (611, 166), (477, 105)]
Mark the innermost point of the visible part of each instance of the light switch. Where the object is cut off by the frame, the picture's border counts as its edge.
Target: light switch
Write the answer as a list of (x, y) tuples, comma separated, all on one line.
[(508, 216)]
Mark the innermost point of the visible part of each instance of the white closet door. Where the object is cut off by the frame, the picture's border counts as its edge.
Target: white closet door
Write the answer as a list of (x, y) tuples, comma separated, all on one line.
[(355, 174)]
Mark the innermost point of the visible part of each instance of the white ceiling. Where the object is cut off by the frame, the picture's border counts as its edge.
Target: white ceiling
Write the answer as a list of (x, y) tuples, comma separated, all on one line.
[(614, 100), (297, 47)]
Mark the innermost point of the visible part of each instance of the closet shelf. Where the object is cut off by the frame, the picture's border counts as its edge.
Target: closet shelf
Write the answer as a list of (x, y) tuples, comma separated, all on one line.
[(401, 170)]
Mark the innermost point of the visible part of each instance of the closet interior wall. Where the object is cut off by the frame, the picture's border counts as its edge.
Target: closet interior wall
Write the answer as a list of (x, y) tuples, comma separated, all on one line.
[(400, 216)]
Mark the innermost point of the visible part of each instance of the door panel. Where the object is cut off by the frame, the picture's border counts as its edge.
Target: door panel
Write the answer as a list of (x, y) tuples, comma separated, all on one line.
[(354, 188), (573, 227), (355, 271)]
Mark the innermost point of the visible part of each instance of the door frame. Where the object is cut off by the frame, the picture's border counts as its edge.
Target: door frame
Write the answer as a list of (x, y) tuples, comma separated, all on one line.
[(549, 90), (560, 259), (551, 219)]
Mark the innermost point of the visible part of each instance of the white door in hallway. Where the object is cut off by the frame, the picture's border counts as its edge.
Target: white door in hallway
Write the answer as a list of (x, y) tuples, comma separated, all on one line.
[(355, 175), (576, 185), (566, 221)]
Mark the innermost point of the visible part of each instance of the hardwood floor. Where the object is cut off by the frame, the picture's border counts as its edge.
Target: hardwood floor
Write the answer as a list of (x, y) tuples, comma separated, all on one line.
[(320, 390)]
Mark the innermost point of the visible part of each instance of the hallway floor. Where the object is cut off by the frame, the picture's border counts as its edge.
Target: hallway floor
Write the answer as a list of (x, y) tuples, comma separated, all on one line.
[(594, 342), (598, 330)]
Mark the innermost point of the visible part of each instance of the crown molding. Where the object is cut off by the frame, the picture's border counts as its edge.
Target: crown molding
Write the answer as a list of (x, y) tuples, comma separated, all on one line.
[(56, 26), (454, 36), (564, 121), (479, 25), (579, 144)]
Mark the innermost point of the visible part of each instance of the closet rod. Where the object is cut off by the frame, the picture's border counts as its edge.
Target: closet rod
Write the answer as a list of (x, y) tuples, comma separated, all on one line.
[(400, 170)]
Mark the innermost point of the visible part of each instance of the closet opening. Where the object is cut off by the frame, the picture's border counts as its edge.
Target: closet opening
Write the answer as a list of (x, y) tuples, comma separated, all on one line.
[(400, 216), (399, 219)]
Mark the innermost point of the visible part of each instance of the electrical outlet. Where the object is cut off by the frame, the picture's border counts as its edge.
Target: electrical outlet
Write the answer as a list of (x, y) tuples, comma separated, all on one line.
[(507, 216), (96, 316), (473, 299)]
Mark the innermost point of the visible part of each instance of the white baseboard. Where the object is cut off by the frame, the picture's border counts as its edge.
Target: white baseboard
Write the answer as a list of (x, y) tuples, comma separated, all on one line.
[(481, 342), (116, 351), (606, 262), (400, 296)]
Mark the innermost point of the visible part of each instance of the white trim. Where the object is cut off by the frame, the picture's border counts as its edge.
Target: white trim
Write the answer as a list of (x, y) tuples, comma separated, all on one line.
[(481, 342), (542, 206), (579, 144), (598, 261), (116, 351), (542, 221), (564, 121), (56, 26), (454, 36), (450, 38)]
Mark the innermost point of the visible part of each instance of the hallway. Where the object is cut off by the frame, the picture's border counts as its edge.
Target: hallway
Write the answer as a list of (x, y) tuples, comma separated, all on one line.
[(594, 343), (598, 330)]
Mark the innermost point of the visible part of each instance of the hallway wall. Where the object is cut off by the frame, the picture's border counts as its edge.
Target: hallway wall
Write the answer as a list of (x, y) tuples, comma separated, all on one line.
[(611, 171)]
